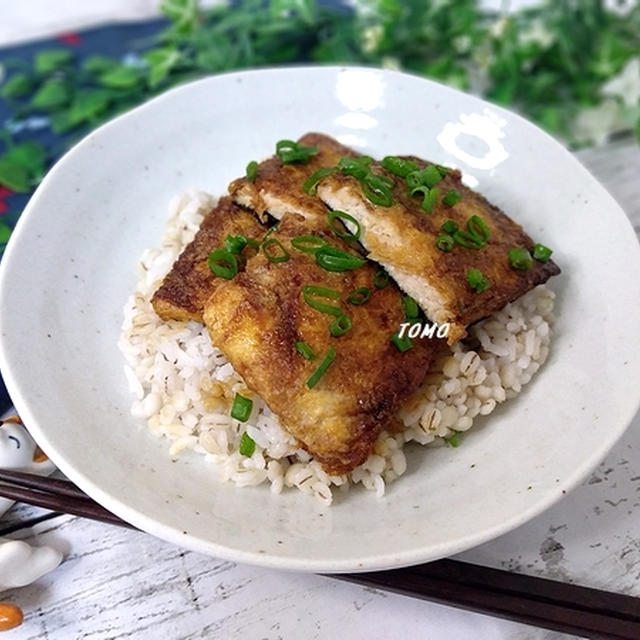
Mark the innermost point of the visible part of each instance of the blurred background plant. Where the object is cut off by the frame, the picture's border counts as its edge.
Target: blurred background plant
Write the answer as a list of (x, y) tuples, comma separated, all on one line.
[(572, 66)]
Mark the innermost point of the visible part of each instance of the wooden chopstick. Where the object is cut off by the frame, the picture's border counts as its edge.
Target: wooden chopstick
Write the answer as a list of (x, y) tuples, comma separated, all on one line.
[(569, 608)]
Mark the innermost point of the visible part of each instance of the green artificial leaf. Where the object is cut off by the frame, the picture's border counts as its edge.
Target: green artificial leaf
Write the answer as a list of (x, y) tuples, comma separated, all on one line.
[(184, 14), (161, 62), (87, 105), (120, 77), (98, 64), (5, 232), (14, 177), (30, 156), (61, 122), (51, 60), (17, 86), (51, 95)]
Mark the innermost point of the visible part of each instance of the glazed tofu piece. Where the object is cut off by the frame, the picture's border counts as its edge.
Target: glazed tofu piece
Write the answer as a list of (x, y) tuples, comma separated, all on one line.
[(259, 318), (402, 238), (185, 289), (277, 187)]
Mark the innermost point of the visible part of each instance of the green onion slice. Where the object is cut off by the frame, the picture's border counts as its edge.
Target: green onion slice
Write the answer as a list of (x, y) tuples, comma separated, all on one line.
[(429, 199), (281, 254), (454, 439), (341, 215), (520, 258), (380, 279), (377, 189), (401, 344), (223, 263), (356, 167), (476, 280), (305, 350), (340, 325), (235, 244), (247, 445), (333, 259), (451, 197), (359, 296), (322, 367), (410, 308), (310, 185), (252, 171), (241, 408), (289, 151), (430, 176), (445, 242), (399, 166), (541, 253), (310, 293), (308, 243), (449, 226), (468, 240), (477, 227)]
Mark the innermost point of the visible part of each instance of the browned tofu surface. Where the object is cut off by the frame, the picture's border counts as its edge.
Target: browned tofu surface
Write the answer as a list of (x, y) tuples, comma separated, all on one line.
[(402, 238), (277, 188), (190, 282), (257, 318)]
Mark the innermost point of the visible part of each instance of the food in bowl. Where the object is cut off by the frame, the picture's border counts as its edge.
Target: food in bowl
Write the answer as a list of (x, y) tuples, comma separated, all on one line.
[(314, 367)]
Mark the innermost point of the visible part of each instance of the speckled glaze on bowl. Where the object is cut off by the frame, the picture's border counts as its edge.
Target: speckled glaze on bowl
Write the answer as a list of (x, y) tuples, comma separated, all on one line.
[(69, 269)]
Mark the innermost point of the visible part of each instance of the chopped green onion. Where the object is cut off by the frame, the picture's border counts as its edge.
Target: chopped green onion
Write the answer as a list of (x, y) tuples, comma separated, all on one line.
[(429, 199), (223, 263), (442, 170), (477, 227), (398, 166), (476, 280), (359, 296), (252, 171), (541, 253), (430, 176), (247, 445), (241, 408), (449, 226), (341, 215), (401, 344), (451, 197), (305, 350), (235, 244), (410, 308), (356, 167), (380, 279), (445, 242), (454, 440), (333, 259), (468, 240), (520, 258), (377, 190), (308, 244), (310, 185), (311, 292), (322, 367), (282, 256), (289, 151), (340, 325)]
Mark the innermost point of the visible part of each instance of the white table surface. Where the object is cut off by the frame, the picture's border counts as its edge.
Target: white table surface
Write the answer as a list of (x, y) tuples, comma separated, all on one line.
[(116, 583)]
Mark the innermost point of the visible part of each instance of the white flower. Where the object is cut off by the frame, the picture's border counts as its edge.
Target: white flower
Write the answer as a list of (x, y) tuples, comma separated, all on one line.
[(598, 123), (537, 33), (391, 62), (626, 84), (497, 28), (371, 37)]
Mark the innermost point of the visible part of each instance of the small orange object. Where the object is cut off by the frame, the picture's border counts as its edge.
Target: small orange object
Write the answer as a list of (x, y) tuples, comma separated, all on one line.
[(10, 616)]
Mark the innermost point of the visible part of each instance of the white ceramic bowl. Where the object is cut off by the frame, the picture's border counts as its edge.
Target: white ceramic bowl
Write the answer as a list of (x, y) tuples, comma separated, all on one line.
[(70, 267)]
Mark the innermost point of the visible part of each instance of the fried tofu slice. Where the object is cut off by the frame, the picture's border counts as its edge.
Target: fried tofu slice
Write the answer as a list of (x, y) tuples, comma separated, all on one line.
[(188, 285), (257, 318), (402, 238), (277, 188)]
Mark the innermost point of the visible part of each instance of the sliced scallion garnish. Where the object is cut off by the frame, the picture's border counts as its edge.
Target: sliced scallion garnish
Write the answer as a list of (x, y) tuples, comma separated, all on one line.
[(380, 279), (289, 151), (357, 167), (308, 243), (252, 171), (377, 189), (311, 293), (322, 367), (340, 325), (430, 196), (477, 226), (401, 344), (235, 244), (223, 263), (520, 258), (341, 215), (310, 185), (281, 254), (449, 226), (451, 197), (241, 408), (468, 240), (305, 350), (410, 308), (247, 445), (359, 296), (541, 253), (333, 259), (399, 166), (445, 242), (476, 280)]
